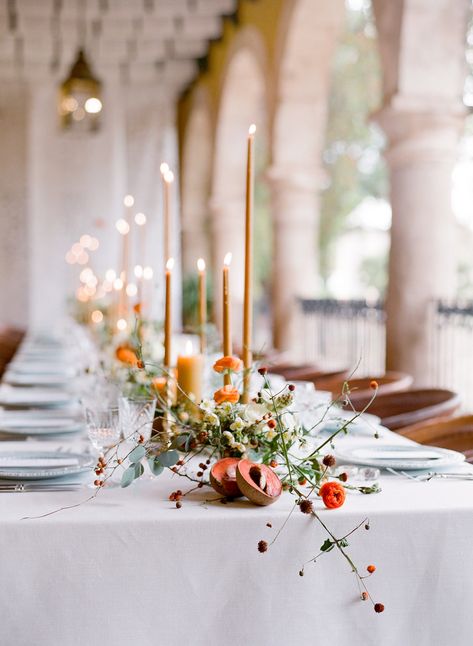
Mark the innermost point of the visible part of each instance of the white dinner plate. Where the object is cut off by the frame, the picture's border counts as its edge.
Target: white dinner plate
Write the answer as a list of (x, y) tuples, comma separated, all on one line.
[(39, 426), (399, 456), (37, 397), (34, 368), (363, 425), (41, 465), (31, 380)]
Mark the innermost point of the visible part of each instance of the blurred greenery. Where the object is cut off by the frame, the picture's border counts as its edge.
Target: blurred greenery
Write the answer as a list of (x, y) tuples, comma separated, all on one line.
[(352, 155), (374, 273)]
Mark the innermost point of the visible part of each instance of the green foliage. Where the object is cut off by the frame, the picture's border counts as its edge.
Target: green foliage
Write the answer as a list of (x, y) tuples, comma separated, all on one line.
[(137, 454), (352, 156)]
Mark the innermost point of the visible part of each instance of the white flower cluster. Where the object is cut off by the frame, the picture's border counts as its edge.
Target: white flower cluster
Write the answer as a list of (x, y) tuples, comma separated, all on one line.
[(237, 428)]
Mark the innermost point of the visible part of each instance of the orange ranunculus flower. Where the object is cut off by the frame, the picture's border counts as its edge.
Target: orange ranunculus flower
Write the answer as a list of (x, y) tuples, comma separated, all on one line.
[(137, 308), (227, 394), (233, 364), (333, 494), (126, 355), (158, 384)]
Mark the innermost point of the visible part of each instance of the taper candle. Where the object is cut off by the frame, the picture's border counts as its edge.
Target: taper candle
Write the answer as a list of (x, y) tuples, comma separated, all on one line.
[(202, 304), (168, 178), (123, 226), (140, 221), (227, 327), (248, 291), (168, 315)]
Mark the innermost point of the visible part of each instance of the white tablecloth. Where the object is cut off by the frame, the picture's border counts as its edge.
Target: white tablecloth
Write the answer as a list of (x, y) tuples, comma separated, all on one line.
[(129, 568)]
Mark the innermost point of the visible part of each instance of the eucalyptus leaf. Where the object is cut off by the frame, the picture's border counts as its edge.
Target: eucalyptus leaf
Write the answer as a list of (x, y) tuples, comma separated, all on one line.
[(137, 454), (168, 459), (128, 476), (138, 469), (156, 468)]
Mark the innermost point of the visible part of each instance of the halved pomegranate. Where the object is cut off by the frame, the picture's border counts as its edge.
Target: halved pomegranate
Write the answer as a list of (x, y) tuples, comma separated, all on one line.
[(258, 482), (223, 477)]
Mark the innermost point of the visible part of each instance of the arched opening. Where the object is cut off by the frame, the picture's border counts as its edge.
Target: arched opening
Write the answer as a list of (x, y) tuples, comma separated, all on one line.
[(242, 102), (309, 32), (355, 210)]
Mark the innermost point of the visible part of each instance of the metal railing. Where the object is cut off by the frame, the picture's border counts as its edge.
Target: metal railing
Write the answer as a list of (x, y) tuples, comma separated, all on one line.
[(451, 343), (352, 333), (349, 333)]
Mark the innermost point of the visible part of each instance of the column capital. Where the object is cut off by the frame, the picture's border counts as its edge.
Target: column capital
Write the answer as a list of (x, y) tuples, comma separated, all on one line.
[(418, 132), (296, 178)]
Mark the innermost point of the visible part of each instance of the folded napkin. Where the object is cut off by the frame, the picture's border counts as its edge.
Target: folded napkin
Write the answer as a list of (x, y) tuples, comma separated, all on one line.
[(37, 463)]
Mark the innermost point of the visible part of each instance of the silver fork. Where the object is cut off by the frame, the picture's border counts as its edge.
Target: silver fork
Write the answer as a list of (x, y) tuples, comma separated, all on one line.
[(33, 487)]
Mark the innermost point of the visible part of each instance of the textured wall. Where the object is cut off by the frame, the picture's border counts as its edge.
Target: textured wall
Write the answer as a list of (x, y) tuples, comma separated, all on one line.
[(14, 242)]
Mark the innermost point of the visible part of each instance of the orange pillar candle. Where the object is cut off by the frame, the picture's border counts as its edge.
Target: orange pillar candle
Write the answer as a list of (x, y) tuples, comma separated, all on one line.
[(202, 304), (248, 292), (190, 370), (227, 329), (168, 315)]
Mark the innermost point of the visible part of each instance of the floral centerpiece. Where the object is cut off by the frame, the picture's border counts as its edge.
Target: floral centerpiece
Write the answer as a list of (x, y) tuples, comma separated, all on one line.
[(258, 449)]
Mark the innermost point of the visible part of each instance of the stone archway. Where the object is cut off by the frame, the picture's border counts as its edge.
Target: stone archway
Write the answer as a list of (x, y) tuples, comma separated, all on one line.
[(243, 101), (307, 39)]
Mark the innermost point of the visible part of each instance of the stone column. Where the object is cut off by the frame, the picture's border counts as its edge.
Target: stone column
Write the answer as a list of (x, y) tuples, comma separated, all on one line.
[(421, 155), (194, 240), (422, 47), (295, 208)]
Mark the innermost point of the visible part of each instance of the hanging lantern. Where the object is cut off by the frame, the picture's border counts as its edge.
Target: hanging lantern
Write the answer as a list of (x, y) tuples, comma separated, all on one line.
[(80, 105)]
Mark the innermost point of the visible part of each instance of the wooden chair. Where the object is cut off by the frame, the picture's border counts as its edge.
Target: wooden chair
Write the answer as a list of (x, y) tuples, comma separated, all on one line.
[(455, 433), (309, 372), (398, 410), (360, 389)]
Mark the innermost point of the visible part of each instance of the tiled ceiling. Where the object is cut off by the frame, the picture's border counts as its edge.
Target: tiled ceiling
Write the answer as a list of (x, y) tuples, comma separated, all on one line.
[(142, 40)]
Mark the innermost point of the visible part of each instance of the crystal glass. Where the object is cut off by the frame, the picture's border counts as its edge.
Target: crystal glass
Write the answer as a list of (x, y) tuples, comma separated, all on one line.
[(103, 427), (136, 417)]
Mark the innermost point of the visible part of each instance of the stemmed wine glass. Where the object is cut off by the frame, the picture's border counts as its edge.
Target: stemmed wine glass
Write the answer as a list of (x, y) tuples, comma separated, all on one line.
[(136, 417)]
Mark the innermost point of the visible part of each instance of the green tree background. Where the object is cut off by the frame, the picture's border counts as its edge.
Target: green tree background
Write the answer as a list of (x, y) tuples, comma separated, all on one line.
[(352, 156)]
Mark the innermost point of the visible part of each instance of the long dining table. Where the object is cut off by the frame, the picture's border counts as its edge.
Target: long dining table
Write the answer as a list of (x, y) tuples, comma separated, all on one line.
[(128, 567)]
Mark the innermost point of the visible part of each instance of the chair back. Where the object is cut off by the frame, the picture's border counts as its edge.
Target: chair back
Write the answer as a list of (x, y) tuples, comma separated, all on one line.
[(398, 410), (455, 433), (360, 388)]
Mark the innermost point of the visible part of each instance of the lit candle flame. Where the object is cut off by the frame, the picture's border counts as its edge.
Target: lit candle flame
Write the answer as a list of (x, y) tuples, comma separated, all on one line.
[(128, 200), (168, 177), (164, 168), (228, 259), (188, 350), (170, 264), (252, 129), (122, 226), (201, 264)]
